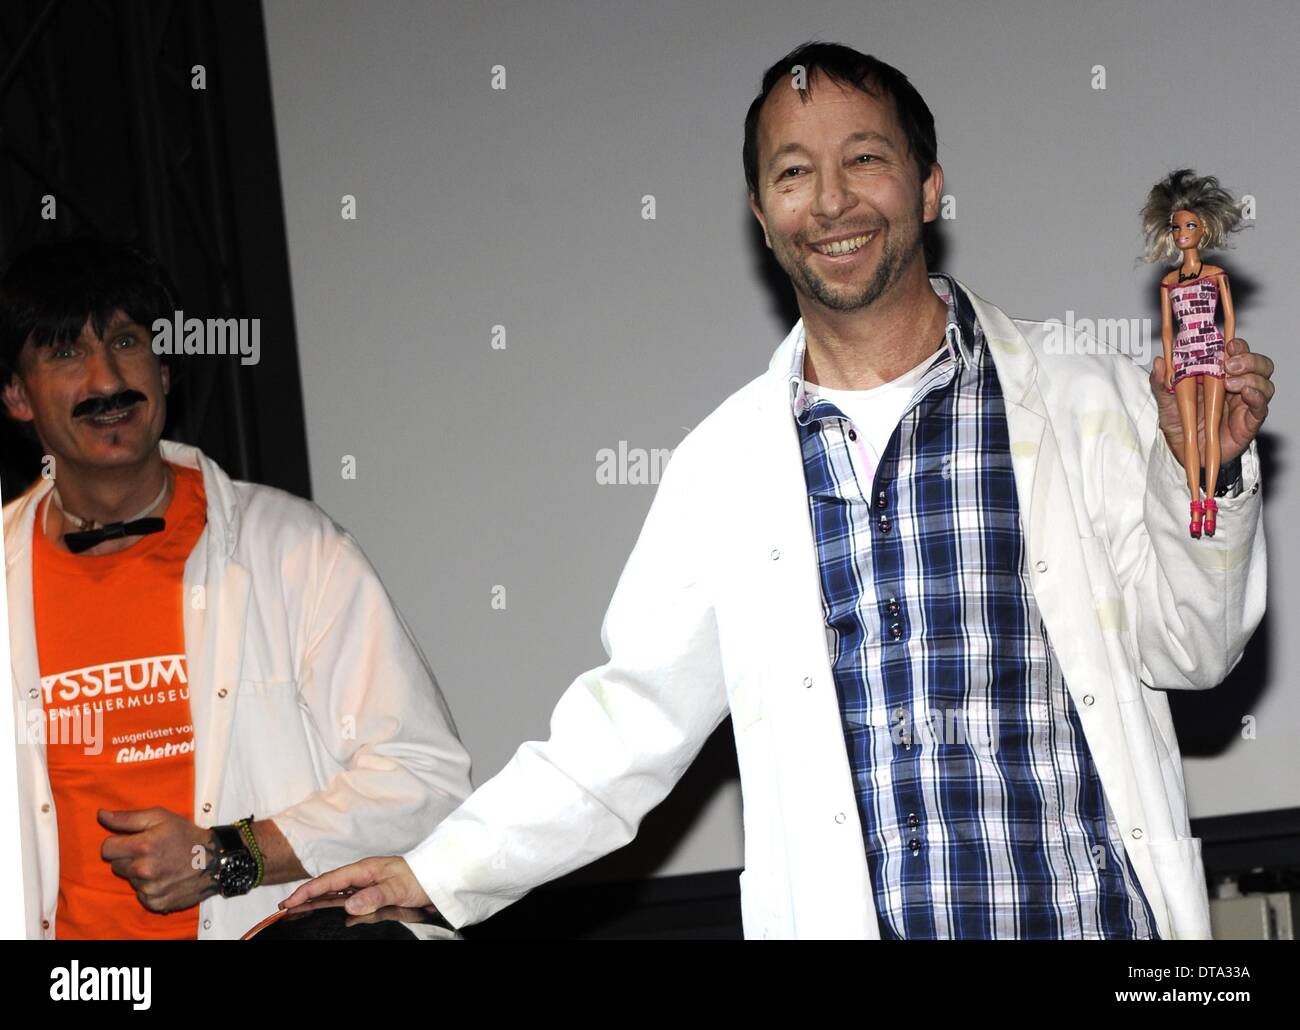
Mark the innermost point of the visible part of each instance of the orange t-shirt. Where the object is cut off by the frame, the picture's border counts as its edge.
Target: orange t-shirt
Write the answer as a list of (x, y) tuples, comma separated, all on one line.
[(110, 638)]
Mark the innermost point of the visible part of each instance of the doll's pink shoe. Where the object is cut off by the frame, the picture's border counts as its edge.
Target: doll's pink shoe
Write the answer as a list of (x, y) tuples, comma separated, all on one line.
[(1211, 509), (1195, 527)]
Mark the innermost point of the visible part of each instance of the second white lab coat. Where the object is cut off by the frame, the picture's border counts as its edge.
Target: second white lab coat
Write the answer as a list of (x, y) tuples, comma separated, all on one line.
[(311, 703)]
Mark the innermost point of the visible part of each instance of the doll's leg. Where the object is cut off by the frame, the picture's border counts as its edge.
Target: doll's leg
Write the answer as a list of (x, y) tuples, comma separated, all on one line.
[(1213, 416), (1185, 394)]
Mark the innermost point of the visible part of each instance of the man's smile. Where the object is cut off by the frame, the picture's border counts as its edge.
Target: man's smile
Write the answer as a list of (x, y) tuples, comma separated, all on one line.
[(111, 419), (843, 249)]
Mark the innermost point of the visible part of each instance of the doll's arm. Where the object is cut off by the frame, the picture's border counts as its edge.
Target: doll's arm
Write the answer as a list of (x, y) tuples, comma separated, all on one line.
[(1229, 316), (1167, 329)]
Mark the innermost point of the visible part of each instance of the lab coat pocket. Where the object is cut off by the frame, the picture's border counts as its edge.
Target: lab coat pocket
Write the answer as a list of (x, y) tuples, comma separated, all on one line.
[(1182, 880)]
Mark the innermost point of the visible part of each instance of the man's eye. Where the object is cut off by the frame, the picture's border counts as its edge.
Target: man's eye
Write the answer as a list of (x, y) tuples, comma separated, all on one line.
[(788, 171), (65, 352), (868, 157), (125, 341)]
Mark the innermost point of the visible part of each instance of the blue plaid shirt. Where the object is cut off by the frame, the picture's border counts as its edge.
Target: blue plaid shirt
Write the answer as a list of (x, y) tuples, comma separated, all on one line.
[(982, 812)]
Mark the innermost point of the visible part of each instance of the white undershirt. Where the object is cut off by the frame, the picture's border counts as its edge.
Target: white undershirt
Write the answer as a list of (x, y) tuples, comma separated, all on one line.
[(875, 413)]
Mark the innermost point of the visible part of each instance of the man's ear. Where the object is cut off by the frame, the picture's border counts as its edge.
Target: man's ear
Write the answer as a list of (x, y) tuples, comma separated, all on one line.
[(758, 213), (932, 192), (15, 400)]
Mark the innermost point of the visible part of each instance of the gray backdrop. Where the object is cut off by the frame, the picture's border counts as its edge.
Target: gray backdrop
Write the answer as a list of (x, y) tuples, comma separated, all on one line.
[(479, 468)]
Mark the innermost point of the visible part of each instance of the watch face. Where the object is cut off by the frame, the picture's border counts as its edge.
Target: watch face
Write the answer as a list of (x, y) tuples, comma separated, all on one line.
[(236, 874)]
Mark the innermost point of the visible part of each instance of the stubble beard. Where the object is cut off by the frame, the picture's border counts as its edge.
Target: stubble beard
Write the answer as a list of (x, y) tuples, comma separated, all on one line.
[(894, 259)]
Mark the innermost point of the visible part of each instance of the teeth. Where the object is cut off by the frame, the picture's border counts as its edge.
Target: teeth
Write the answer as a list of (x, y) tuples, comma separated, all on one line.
[(109, 419), (843, 246)]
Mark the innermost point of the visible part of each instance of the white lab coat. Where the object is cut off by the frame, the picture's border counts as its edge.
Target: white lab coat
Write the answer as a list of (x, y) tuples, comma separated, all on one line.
[(311, 704), (719, 610)]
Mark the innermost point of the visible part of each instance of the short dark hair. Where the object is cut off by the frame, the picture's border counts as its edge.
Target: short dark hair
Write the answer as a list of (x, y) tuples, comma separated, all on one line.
[(49, 291), (860, 71)]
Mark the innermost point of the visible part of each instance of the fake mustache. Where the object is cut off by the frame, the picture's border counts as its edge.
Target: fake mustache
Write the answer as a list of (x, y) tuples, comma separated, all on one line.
[(93, 406)]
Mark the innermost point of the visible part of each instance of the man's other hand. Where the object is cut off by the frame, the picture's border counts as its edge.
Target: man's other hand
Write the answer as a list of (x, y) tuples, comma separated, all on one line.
[(161, 854), (376, 883)]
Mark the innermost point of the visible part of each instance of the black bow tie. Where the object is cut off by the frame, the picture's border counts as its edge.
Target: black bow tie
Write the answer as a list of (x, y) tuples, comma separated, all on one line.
[(85, 539)]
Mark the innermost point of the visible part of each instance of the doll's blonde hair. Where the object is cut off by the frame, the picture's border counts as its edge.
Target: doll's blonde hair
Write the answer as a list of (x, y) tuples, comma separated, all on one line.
[(1184, 190)]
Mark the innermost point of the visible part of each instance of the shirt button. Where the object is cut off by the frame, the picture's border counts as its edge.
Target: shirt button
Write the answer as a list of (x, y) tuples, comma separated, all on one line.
[(883, 523), (896, 630), (33, 693), (45, 924), (893, 606), (913, 820), (221, 692), (881, 499), (45, 808), (1137, 833), (807, 681), (1088, 699), (207, 924), (775, 554), (915, 845), (1041, 566), (840, 817), (207, 806), (853, 434)]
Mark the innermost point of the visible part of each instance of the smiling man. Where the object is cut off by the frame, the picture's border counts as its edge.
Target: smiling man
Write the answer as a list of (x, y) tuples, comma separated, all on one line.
[(219, 697), (936, 571)]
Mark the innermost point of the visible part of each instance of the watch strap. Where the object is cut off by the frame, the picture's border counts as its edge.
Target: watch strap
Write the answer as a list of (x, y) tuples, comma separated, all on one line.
[(245, 827), (229, 838)]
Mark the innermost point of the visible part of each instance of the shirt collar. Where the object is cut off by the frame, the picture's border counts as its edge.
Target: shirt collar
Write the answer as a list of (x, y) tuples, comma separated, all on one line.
[(961, 340)]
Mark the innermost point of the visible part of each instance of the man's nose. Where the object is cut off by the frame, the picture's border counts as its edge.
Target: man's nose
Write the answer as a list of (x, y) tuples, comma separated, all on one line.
[(834, 195), (103, 373)]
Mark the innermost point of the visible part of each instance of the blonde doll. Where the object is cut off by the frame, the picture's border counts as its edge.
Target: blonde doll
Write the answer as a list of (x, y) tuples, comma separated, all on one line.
[(1184, 215)]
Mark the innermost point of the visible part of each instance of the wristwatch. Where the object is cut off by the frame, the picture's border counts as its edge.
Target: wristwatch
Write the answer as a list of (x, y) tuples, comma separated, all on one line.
[(1229, 483), (233, 866)]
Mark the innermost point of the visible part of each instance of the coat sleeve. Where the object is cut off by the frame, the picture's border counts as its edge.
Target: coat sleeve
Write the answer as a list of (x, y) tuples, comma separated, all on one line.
[(375, 709), (1197, 601), (620, 737)]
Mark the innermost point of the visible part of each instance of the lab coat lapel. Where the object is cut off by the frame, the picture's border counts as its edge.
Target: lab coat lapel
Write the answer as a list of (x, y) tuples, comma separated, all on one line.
[(814, 781), (216, 604), (1047, 511), (214, 630), (39, 868), (1062, 580)]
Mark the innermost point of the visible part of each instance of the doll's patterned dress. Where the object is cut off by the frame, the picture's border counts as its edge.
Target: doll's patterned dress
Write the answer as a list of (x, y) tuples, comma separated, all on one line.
[(1198, 347)]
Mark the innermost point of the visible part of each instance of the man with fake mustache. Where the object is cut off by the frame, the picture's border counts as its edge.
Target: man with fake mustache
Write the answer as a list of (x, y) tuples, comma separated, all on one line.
[(219, 697)]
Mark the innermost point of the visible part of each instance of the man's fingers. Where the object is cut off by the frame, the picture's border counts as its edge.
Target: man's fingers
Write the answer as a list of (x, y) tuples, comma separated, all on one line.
[(372, 899), (1252, 362), (358, 874), (124, 846), (129, 822), (1255, 391)]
